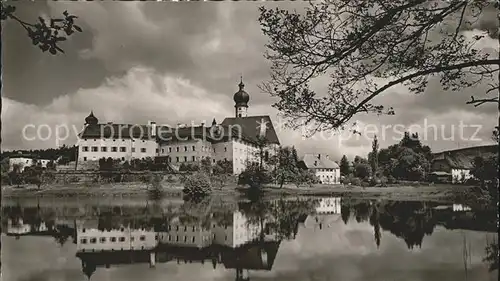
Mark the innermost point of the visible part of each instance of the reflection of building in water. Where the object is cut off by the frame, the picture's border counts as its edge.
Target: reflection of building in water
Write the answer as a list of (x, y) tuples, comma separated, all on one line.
[(234, 245), (239, 232), (17, 227), (185, 234), (327, 213), (460, 208)]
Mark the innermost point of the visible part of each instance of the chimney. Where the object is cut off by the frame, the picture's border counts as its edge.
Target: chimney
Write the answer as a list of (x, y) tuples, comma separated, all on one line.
[(153, 129)]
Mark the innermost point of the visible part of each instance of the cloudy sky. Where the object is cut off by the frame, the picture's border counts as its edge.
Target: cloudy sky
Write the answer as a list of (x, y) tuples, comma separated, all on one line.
[(181, 62)]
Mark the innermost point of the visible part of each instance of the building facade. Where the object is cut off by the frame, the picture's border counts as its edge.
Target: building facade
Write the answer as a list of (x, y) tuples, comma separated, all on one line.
[(326, 170), (25, 161), (236, 139)]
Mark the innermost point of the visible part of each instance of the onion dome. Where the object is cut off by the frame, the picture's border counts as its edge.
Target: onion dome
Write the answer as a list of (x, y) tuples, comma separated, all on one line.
[(241, 97), (91, 119)]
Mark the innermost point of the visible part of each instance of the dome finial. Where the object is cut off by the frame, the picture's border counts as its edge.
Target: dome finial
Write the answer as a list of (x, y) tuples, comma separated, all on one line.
[(241, 85)]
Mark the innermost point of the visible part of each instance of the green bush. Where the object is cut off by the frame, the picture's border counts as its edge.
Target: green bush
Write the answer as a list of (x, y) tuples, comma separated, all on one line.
[(355, 181), (197, 185)]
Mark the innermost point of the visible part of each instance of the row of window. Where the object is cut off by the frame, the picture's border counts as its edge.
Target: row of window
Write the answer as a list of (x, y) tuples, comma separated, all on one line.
[(113, 149), (193, 239), (193, 148), (93, 240)]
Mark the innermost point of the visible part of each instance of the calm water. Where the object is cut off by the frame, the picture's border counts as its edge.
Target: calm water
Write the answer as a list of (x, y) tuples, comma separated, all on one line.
[(217, 239)]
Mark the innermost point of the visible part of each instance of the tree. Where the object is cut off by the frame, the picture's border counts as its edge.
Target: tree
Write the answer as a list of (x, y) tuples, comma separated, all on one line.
[(373, 156), (367, 47), (287, 169), (362, 170), (344, 166), (45, 35), (197, 185)]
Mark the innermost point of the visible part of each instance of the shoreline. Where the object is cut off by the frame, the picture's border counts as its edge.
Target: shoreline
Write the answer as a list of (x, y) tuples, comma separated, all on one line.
[(437, 193)]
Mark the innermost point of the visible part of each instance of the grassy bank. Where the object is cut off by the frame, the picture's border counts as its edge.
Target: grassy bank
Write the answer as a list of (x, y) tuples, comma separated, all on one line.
[(440, 193)]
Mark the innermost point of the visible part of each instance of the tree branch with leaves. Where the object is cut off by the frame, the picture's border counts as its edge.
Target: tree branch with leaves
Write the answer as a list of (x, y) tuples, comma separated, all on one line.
[(46, 34), (368, 47)]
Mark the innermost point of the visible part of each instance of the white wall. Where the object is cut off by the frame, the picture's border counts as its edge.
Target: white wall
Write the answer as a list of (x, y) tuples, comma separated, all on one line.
[(328, 176), (460, 175), (202, 149), (25, 162), (190, 235), (133, 149)]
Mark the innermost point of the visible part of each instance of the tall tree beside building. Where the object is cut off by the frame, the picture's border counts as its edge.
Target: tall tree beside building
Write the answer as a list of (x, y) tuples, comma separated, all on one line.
[(344, 166), (373, 156)]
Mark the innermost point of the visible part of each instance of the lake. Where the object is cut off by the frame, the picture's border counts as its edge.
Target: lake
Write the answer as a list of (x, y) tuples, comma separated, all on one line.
[(289, 238)]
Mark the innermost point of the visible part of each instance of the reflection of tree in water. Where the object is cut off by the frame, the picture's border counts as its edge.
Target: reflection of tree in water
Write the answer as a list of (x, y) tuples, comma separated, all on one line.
[(410, 221), (375, 222), (280, 217), (196, 212), (407, 220), (491, 256)]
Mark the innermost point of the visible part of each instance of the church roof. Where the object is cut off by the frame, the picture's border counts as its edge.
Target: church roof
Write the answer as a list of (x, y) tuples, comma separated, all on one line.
[(116, 131), (250, 127), (250, 255)]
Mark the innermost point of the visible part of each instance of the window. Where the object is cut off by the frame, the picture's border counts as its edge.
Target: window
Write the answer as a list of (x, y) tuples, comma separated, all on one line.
[(194, 148), (194, 158), (156, 237), (103, 239), (93, 240), (142, 238), (185, 148), (114, 149), (169, 149), (177, 148), (123, 149), (194, 239), (185, 228), (133, 149), (177, 238), (177, 228), (104, 149), (123, 158), (225, 237), (194, 228), (214, 150), (143, 150), (225, 149), (157, 150), (83, 240), (185, 158), (95, 149), (84, 158), (121, 239), (170, 238), (162, 150), (177, 159), (85, 148), (132, 239), (185, 239), (113, 239)]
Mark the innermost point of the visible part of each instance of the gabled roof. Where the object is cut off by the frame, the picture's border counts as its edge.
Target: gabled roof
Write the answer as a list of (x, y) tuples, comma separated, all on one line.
[(251, 126), (312, 161), (464, 158)]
